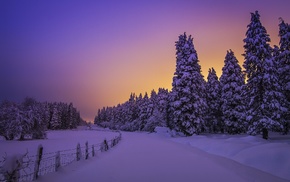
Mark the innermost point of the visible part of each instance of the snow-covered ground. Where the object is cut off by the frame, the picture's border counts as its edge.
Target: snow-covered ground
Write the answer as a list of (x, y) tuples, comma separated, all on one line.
[(146, 157), (272, 156), (153, 157), (56, 140)]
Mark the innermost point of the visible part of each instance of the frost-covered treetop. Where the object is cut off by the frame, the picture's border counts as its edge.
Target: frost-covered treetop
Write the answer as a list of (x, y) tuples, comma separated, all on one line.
[(231, 69), (284, 33), (186, 56), (257, 47), (256, 35), (255, 28)]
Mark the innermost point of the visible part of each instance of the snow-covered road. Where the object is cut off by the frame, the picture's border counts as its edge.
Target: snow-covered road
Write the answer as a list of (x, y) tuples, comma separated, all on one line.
[(148, 158)]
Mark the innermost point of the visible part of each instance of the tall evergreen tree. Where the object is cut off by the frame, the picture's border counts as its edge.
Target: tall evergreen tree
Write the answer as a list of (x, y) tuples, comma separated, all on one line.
[(158, 104), (146, 109), (97, 119), (32, 121), (188, 89), (265, 109), (213, 98), (162, 104), (232, 85), (10, 120), (55, 120), (283, 60)]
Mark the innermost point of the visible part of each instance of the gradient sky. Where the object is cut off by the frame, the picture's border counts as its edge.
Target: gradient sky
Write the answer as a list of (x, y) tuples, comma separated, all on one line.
[(95, 53)]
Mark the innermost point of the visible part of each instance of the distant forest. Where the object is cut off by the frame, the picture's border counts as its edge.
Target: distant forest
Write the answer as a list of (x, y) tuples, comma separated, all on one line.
[(30, 119), (249, 101)]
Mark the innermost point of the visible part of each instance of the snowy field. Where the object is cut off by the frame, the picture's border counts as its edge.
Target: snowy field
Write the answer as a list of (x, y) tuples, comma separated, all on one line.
[(158, 157), (56, 140)]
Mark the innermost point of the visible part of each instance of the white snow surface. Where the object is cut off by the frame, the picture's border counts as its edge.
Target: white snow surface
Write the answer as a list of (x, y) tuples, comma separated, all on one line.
[(158, 157), (272, 156), (56, 140)]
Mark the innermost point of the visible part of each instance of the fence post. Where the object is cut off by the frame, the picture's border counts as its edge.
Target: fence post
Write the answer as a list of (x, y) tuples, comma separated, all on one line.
[(113, 142), (37, 161), (57, 160), (104, 146), (93, 151), (79, 153), (87, 150)]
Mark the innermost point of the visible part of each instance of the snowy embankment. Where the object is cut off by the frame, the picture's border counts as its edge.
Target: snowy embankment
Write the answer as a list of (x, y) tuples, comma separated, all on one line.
[(271, 155), (146, 157)]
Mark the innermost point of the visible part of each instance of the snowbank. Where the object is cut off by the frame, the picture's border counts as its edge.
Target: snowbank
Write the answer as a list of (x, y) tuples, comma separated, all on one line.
[(271, 155), (164, 131)]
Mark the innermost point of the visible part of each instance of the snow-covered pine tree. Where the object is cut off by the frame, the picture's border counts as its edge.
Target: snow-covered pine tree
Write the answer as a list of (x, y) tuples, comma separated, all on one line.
[(162, 104), (232, 85), (119, 116), (10, 120), (55, 120), (188, 102), (64, 114), (213, 98), (129, 111), (158, 108), (45, 114), (146, 109), (97, 119), (72, 115), (132, 108), (283, 61), (32, 119), (170, 122), (265, 109), (101, 118), (135, 124)]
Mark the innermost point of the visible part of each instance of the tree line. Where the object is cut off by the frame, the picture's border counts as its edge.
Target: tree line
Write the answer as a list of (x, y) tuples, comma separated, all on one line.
[(30, 119), (249, 101)]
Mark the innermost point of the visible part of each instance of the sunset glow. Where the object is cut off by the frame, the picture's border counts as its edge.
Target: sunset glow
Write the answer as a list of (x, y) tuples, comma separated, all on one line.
[(95, 53)]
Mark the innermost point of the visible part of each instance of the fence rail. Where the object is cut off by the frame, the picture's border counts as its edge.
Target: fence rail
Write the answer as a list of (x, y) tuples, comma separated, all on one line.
[(29, 168)]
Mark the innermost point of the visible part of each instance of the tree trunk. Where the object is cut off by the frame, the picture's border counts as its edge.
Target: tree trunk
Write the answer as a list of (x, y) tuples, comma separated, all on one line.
[(265, 133)]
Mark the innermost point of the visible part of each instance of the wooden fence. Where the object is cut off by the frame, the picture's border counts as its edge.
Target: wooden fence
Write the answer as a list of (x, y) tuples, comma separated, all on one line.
[(28, 169)]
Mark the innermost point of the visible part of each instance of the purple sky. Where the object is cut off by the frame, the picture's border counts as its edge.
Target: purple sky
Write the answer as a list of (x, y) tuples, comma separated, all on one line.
[(95, 53)]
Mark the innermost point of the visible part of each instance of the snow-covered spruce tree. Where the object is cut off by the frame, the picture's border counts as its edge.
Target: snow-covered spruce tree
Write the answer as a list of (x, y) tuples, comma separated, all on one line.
[(55, 119), (10, 120), (72, 115), (283, 60), (213, 98), (265, 102), (158, 116), (170, 123), (232, 85), (132, 108), (130, 111), (64, 117), (188, 102), (33, 122), (97, 119), (45, 114), (134, 125), (146, 109), (162, 103)]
